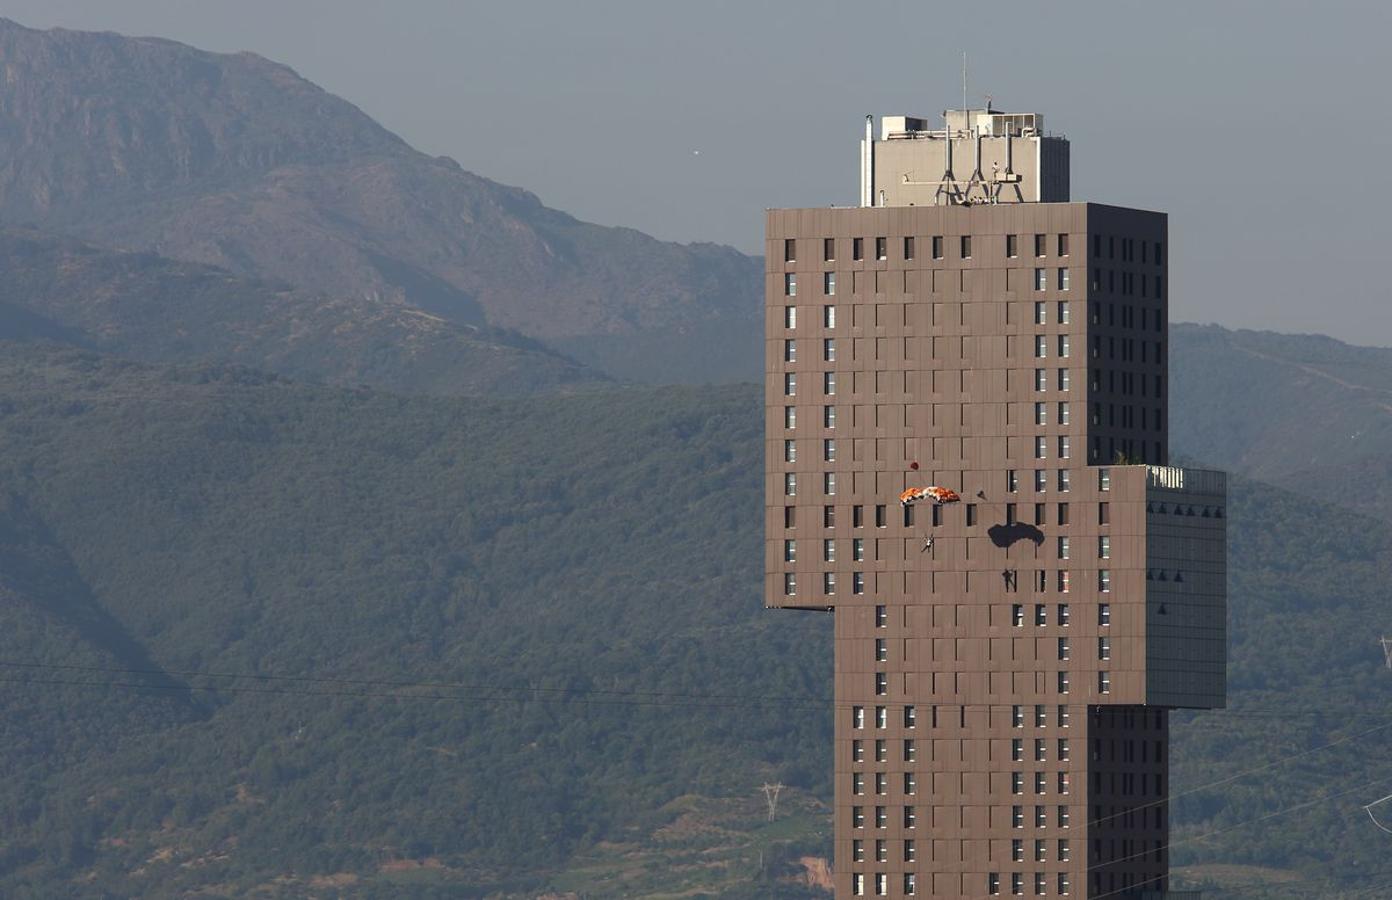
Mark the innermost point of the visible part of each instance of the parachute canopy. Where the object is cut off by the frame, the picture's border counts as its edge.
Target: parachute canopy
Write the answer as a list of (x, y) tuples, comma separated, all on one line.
[(938, 495)]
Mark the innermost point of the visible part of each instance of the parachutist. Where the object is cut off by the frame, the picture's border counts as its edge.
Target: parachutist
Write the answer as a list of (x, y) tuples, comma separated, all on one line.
[(927, 544)]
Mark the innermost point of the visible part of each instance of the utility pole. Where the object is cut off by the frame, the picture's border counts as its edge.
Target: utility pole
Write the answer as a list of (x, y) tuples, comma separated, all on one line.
[(771, 795)]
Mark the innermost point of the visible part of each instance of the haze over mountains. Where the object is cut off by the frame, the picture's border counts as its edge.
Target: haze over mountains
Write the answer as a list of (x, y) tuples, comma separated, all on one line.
[(179, 224), (235, 161)]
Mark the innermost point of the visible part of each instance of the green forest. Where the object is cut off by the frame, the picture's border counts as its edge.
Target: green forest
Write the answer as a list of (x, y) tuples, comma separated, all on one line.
[(261, 638)]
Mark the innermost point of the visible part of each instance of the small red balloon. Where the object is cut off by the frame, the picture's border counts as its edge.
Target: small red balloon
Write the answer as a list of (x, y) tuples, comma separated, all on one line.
[(914, 466)]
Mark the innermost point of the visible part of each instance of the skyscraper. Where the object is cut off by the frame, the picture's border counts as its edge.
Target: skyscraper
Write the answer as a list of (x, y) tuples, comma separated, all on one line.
[(1005, 664)]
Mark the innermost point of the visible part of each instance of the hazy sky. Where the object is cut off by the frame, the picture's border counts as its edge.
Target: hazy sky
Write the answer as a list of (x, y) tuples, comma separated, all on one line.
[(1261, 127)]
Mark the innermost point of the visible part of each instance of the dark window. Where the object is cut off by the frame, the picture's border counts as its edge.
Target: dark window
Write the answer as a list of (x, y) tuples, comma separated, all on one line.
[(790, 517), (828, 249), (937, 246), (908, 248), (857, 516), (1063, 513), (880, 520), (881, 248), (966, 246), (971, 513), (1063, 245), (789, 250), (1104, 514), (857, 248), (828, 516), (1012, 248)]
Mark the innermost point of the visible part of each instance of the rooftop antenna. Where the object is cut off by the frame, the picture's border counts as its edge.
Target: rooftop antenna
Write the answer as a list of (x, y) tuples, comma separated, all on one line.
[(964, 81)]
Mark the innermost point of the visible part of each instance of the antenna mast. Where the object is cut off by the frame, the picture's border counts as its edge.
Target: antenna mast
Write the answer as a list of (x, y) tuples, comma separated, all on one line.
[(964, 81)]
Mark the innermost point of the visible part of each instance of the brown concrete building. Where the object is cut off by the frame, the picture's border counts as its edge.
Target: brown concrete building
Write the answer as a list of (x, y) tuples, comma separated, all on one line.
[(1005, 665)]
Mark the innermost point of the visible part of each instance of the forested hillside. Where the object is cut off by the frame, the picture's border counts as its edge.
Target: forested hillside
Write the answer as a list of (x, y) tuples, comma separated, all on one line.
[(554, 610), (153, 309)]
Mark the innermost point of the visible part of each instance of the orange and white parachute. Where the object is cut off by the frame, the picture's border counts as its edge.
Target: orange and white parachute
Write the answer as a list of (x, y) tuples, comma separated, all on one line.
[(938, 495)]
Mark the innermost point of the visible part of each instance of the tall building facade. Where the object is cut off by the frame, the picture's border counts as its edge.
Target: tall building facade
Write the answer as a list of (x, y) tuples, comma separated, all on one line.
[(1005, 665)]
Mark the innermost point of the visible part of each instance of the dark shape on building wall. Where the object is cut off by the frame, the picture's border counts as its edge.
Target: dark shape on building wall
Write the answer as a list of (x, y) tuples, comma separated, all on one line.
[(1006, 535)]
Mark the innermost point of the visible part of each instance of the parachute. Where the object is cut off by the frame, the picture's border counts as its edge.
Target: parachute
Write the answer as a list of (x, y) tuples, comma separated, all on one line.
[(938, 495)]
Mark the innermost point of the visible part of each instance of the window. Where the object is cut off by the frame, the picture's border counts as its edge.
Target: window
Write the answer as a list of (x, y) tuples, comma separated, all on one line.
[(1041, 346), (789, 384), (909, 888), (857, 750), (1039, 884), (1063, 682), (790, 451), (881, 817), (1063, 480), (1063, 881), (1017, 615), (910, 852), (1063, 514), (790, 350), (1062, 817), (1063, 346), (1104, 547), (1104, 581), (829, 483), (1063, 446), (881, 248), (1017, 749), (881, 518), (1012, 249), (857, 717), (1104, 648), (829, 283), (857, 783), (1017, 817), (829, 349), (1039, 245), (937, 246), (1041, 616), (790, 551), (1063, 316), (881, 684), (1041, 280), (1017, 883), (1063, 612), (993, 883), (1062, 280), (829, 316), (828, 417), (881, 650), (1062, 547), (1041, 480), (1041, 414), (1041, 313), (790, 517), (789, 250), (1104, 683), (790, 484), (1104, 479), (790, 284), (829, 583), (829, 550), (1041, 447), (908, 248), (857, 582), (1104, 514), (966, 246), (829, 383), (881, 717), (789, 584), (828, 249), (790, 417), (971, 514), (1063, 581), (1063, 413), (1104, 614), (1017, 782), (1017, 716), (1012, 481), (1041, 783), (910, 720), (1041, 379), (910, 750), (1063, 245), (1063, 379), (790, 317), (881, 617), (858, 549), (1063, 648), (909, 817), (828, 450)]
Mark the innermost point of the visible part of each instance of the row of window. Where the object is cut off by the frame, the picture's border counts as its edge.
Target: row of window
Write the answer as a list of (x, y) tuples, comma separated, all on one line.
[(1064, 517), (1063, 582), (910, 718), (909, 247), (1062, 282), (1063, 548), (880, 884)]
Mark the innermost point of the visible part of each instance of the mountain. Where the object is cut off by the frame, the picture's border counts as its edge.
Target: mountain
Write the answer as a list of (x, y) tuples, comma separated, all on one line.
[(150, 308), (1304, 411), (236, 161), (287, 640)]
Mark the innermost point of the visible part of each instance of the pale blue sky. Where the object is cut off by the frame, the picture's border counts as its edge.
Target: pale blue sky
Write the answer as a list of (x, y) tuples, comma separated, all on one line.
[(1260, 127)]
